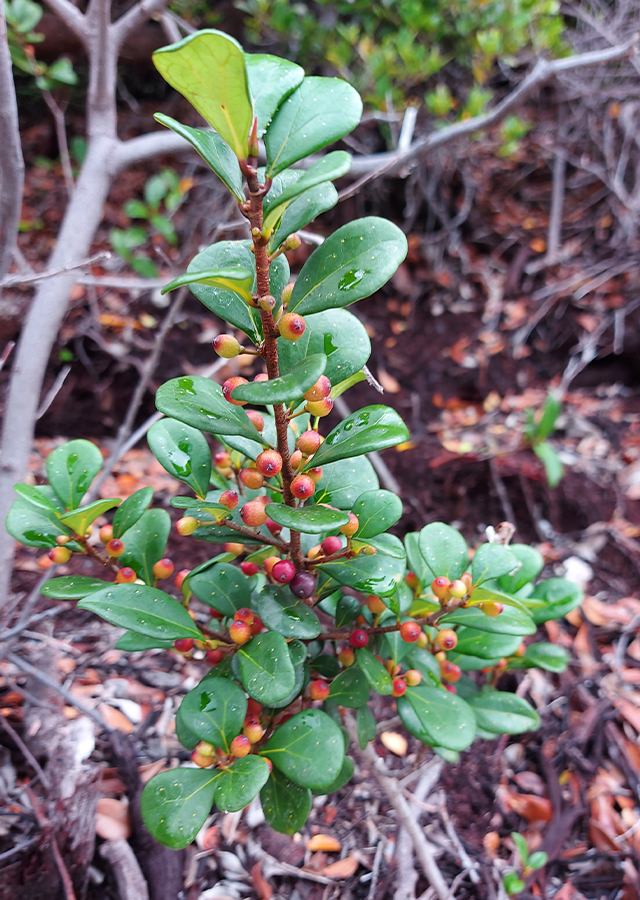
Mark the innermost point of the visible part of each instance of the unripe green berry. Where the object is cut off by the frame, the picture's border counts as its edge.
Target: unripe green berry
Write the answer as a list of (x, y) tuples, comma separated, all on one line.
[(320, 408), (286, 293), (227, 346), (422, 641), (293, 241), (458, 589), (186, 525), (59, 555), (267, 302), (291, 326)]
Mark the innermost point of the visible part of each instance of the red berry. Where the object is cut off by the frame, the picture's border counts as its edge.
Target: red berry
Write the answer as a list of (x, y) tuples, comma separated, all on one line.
[(251, 479), (318, 690), (273, 527), (186, 525), (213, 657), (180, 577), (412, 580), (229, 499), (183, 645), (115, 548), (163, 568), (359, 638), (409, 632), (269, 763), (283, 571), (253, 514), (302, 585), (240, 632), (240, 746), (331, 545), (446, 639), (320, 390), (106, 533), (269, 563), (449, 671), (254, 708), (291, 326), (215, 614), (244, 615), (261, 376), (450, 688), (59, 555), (252, 729), (302, 487), (226, 346), (256, 419), (269, 463), (309, 442), (228, 387), (257, 626), (126, 576), (399, 687), (351, 527), (319, 408), (249, 568)]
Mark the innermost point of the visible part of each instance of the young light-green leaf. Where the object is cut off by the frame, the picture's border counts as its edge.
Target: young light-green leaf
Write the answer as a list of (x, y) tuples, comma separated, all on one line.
[(35, 496), (78, 520), (237, 280), (352, 263), (183, 452), (175, 804), (71, 468), (308, 749), (286, 388), (35, 525), (143, 609), (145, 543), (214, 711), (319, 112), (271, 79), (308, 519), (444, 550), (130, 511), (286, 805), (266, 668), (372, 428), (240, 783), (281, 612), (208, 68), (377, 511)]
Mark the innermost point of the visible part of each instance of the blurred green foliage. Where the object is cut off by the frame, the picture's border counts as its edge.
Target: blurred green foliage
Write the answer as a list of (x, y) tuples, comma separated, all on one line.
[(22, 18)]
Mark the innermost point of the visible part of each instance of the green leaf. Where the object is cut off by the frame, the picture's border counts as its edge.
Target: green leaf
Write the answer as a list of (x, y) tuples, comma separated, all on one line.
[(35, 525), (401, 600), (416, 561), (366, 725), (331, 166), (471, 663), (444, 550), (425, 662), (373, 670), (175, 804), (491, 561), (130, 511), (486, 644), (503, 713), (271, 79), (512, 884), (379, 574), (223, 587), (281, 612), (550, 412), (286, 388), (71, 468), (388, 544), (350, 688), (325, 665), (240, 783), (342, 482), (145, 543), (213, 149), (301, 211), (267, 671), (553, 468), (347, 610), (488, 595), (397, 648), (435, 716), (336, 333), (136, 209), (531, 564), (317, 113), (237, 280), (545, 656), (559, 597), (352, 263), (521, 846), (199, 402), (133, 643), (208, 68), (510, 621), (144, 610), (307, 519), (308, 749), (34, 496), (371, 428), (286, 805), (537, 860), (344, 776), (377, 511), (214, 711), (79, 519), (183, 452), (72, 587), (62, 70)]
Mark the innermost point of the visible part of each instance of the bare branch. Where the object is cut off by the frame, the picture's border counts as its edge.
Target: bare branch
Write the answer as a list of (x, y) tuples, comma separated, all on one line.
[(72, 17), (11, 161), (131, 20), (136, 150)]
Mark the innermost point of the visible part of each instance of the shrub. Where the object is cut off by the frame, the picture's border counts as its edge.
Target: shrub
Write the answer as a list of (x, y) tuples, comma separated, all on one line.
[(327, 606)]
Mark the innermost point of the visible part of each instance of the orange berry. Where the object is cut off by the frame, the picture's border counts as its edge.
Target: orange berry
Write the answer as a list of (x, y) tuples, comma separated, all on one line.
[(59, 555), (256, 419), (229, 499), (126, 576), (319, 690), (252, 729), (291, 326), (440, 587), (251, 479), (375, 604), (413, 677), (309, 442), (106, 533), (446, 639), (346, 657), (409, 632), (244, 615), (253, 514), (491, 609), (239, 632), (163, 568), (351, 527), (269, 563), (115, 548), (231, 547), (240, 746), (320, 390)]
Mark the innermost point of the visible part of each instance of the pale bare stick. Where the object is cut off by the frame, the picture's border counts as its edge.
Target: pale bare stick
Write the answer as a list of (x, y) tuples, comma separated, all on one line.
[(11, 161)]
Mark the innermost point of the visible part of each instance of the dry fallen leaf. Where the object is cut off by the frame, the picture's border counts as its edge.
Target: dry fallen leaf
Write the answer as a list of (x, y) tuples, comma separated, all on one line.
[(262, 887), (395, 742), (112, 819), (344, 868), (324, 842)]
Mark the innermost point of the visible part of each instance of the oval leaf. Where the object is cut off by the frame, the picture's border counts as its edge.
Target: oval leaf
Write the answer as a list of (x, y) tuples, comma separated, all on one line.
[(133, 643), (531, 564), (336, 333), (237, 280), (271, 79), (286, 805), (374, 671), (331, 166), (308, 519), (214, 711), (72, 587), (266, 668), (35, 496), (223, 587), (437, 717), (240, 783), (350, 688), (559, 597), (366, 724), (485, 644), (130, 511), (144, 610), (183, 452), (286, 388), (175, 804), (503, 713), (379, 574), (510, 621), (71, 468), (35, 526), (344, 775), (145, 543), (491, 561), (301, 211), (342, 482), (281, 612), (308, 749), (444, 550), (377, 511), (546, 656), (367, 429)]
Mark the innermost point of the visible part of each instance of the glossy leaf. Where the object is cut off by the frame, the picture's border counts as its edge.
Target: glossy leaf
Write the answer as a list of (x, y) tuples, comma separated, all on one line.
[(267, 671), (347, 610), (489, 595), (401, 600), (145, 610), (271, 79), (444, 550), (471, 663), (199, 402), (559, 597), (325, 665), (437, 717), (397, 648), (133, 643), (531, 564), (175, 804), (344, 776), (416, 561), (307, 519), (130, 510), (301, 211), (71, 468), (352, 263), (214, 711), (35, 525), (183, 452), (213, 149), (35, 496), (72, 587), (377, 511), (510, 621), (342, 482), (145, 543), (373, 670), (388, 544), (317, 113), (286, 805), (78, 520), (543, 655), (308, 749), (330, 167), (282, 612), (208, 68), (240, 783), (237, 280), (286, 388), (223, 587), (366, 725), (379, 574), (350, 688), (491, 561), (503, 713), (371, 428), (486, 644), (425, 662), (336, 333)]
